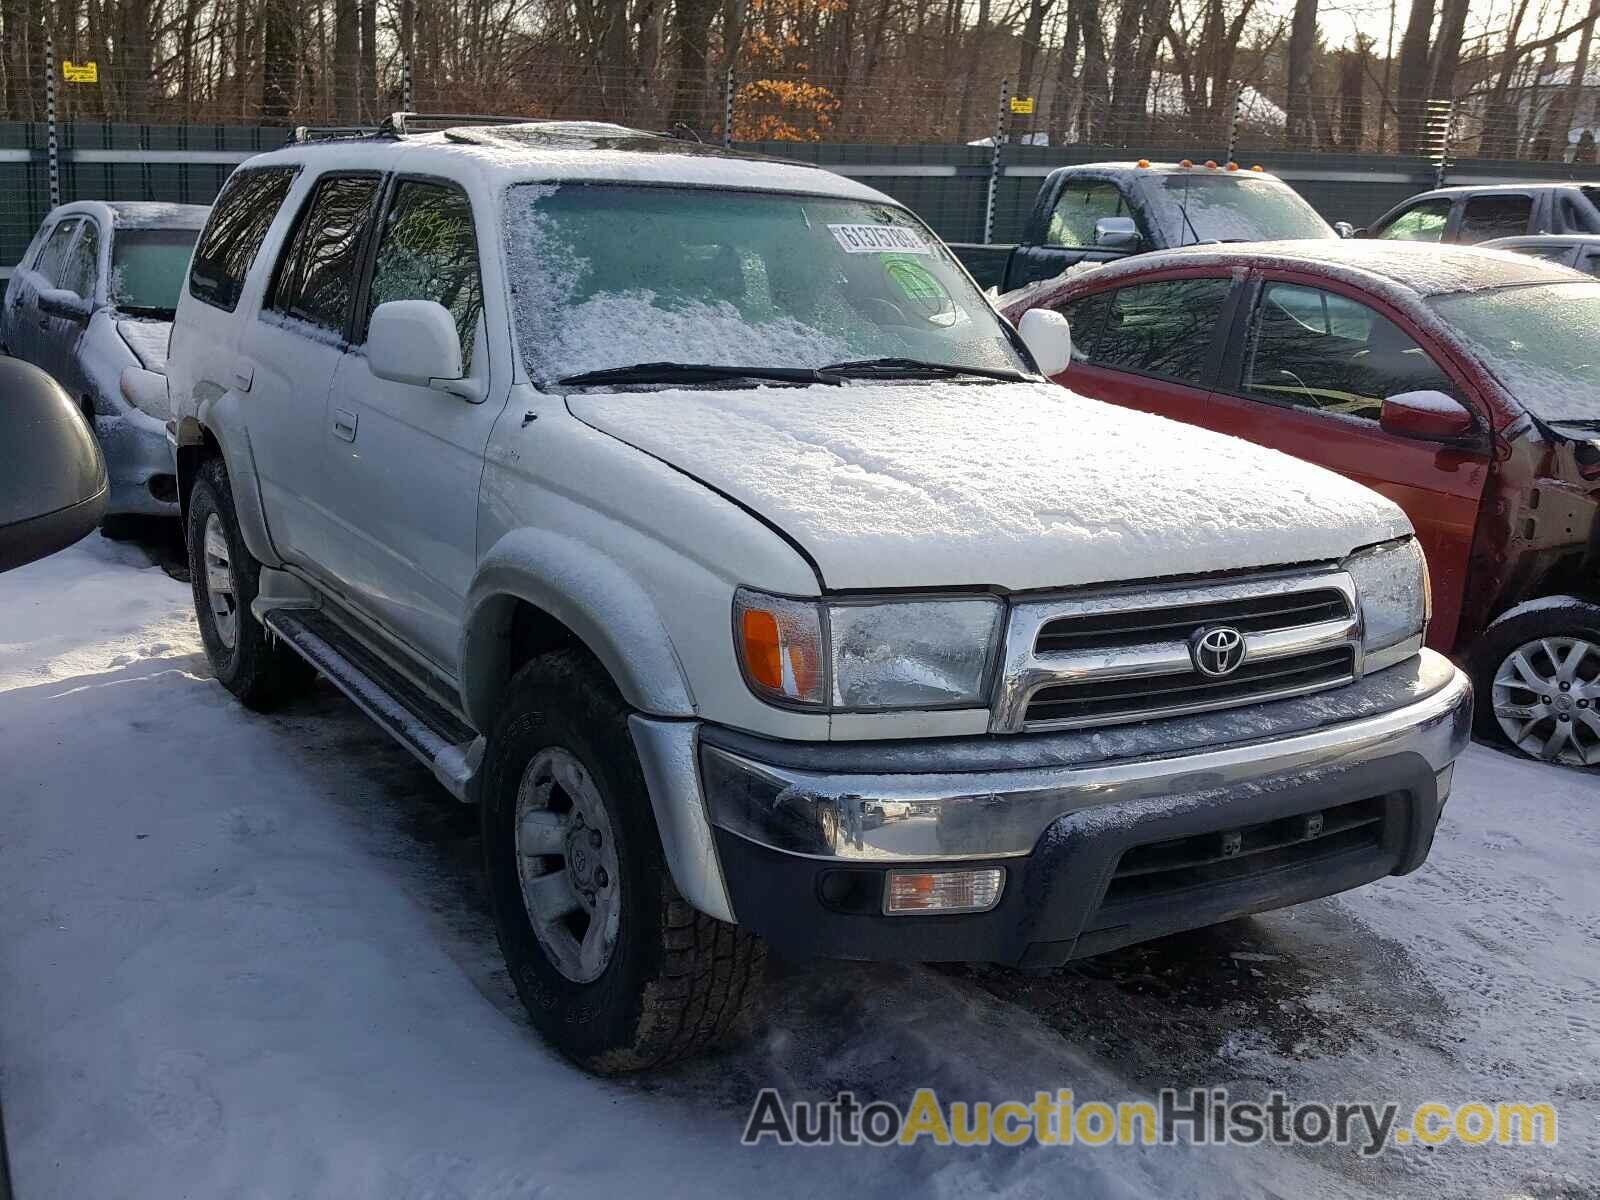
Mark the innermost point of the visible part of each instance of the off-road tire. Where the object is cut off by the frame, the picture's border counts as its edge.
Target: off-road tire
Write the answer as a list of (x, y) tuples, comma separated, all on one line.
[(1574, 618), (677, 980), (258, 670)]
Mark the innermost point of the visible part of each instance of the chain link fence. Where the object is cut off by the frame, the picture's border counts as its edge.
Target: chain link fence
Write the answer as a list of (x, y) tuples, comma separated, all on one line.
[(966, 156)]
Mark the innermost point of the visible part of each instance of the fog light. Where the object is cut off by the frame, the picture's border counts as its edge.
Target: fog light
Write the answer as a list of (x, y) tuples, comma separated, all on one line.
[(942, 891)]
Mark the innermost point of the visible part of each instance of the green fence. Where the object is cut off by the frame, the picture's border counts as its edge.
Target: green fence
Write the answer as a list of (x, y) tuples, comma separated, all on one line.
[(948, 186)]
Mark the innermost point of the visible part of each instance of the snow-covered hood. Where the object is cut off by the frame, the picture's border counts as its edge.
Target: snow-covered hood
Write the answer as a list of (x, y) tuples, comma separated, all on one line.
[(148, 341), (1014, 485)]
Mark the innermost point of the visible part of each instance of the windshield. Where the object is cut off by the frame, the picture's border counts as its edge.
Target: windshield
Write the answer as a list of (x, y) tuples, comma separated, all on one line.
[(1539, 341), (148, 266), (613, 276), (1237, 208)]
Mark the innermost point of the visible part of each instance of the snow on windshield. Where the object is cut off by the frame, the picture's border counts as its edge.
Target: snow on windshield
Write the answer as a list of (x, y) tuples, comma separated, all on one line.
[(1236, 208), (612, 276), (1539, 341)]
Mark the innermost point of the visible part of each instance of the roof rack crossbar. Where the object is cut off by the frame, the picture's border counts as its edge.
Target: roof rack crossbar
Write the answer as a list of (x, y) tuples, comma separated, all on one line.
[(397, 124)]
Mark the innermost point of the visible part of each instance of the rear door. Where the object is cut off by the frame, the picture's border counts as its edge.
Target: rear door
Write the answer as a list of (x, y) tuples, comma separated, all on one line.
[(404, 462), (292, 350), (78, 273), (1310, 368), (1154, 345)]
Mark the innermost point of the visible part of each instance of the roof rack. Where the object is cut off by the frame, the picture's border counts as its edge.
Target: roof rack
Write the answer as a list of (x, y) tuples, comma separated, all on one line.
[(397, 125)]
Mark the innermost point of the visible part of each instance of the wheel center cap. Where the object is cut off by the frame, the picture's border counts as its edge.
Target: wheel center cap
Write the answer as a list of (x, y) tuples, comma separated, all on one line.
[(1563, 703), (580, 862)]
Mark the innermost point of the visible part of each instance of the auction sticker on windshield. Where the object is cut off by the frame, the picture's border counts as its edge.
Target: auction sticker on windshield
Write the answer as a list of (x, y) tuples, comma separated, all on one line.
[(879, 239)]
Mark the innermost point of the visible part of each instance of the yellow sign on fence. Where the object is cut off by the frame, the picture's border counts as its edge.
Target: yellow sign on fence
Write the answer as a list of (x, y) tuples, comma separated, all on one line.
[(80, 72), (1022, 106)]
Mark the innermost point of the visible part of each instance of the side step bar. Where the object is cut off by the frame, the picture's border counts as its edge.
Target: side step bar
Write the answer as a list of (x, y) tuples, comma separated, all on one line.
[(419, 723)]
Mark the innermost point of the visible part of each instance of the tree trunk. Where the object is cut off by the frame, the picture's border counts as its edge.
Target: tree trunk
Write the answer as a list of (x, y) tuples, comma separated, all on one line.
[(1411, 92), (1092, 115), (369, 58), (691, 25), (278, 60), (1567, 105), (1352, 110), (346, 64), (1301, 124), (969, 83), (1061, 104), (1447, 51), (1028, 62)]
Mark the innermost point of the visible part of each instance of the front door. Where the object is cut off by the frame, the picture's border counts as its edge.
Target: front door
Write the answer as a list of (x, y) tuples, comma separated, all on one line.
[(1315, 368), (405, 462)]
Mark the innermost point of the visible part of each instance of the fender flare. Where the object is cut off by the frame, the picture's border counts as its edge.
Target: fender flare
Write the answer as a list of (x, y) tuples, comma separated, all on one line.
[(589, 593), (233, 437)]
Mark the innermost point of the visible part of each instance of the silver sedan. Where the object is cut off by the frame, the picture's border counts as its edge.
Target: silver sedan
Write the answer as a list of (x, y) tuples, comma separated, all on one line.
[(91, 302)]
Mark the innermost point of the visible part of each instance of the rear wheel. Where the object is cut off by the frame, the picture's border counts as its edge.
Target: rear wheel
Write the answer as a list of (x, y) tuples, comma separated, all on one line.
[(225, 576), (615, 968), (1538, 680)]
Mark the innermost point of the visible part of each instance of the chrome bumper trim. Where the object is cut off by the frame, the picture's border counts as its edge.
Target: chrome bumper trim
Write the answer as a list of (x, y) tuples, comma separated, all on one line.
[(995, 814)]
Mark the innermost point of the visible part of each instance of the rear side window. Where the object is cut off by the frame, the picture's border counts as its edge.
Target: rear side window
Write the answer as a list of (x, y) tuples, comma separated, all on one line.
[(238, 225), (429, 251), (316, 275), (1163, 329), (1423, 222), (1493, 216), (1081, 205), (1576, 216), (81, 267), (54, 251)]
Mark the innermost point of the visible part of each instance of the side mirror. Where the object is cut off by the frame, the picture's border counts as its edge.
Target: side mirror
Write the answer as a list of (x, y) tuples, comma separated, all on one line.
[(1344, 229), (1428, 416), (1048, 338), (66, 304), (1116, 233), (415, 342), (52, 477)]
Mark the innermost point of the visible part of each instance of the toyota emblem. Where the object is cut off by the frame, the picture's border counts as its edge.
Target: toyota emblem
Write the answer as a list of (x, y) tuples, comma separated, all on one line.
[(1217, 651)]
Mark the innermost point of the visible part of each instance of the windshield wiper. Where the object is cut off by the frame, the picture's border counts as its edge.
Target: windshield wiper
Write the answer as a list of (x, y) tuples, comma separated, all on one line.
[(916, 366), (676, 372)]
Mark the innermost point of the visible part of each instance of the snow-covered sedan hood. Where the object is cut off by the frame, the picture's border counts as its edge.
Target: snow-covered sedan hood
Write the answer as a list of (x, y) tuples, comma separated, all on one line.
[(1014, 485), (148, 341)]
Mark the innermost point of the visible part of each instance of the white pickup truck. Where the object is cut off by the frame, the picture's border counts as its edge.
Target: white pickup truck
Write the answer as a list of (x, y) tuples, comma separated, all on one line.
[(697, 517)]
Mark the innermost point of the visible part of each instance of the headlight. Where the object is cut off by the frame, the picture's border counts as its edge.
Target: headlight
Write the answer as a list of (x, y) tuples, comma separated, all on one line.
[(1392, 583), (860, 656)]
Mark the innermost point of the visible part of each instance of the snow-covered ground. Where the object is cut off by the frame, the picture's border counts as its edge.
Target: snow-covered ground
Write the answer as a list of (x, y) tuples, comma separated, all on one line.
[(247, 955)]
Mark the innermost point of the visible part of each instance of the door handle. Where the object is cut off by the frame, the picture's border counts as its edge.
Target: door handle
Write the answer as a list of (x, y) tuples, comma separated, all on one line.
[(344, 424)]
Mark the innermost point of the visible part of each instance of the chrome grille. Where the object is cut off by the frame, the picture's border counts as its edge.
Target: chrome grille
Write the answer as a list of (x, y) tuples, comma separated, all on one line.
[(1113, 657)]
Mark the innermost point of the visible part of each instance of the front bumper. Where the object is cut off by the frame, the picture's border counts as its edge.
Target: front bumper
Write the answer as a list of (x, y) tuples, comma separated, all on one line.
[(1104, 839), (139, 463)]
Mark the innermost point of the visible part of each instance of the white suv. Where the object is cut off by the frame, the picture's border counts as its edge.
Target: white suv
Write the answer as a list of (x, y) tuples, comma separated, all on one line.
[(697, 517)]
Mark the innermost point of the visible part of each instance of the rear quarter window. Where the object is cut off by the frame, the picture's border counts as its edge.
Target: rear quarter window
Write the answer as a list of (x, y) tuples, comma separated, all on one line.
[(234, 233)]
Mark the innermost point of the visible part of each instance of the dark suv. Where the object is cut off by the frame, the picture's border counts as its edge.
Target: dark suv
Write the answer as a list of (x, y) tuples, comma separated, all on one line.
[(1469, 215)]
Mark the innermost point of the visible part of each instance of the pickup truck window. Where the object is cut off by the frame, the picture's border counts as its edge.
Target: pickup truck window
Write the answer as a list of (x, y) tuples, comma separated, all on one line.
[(1072, 221), (1163, 329), (429, 251), (315, 279), (1422, 222), (1494, 215), (1320, 350), (606, 276), (1236, 208), (234, 232), (1576, 216), (1539, 342)]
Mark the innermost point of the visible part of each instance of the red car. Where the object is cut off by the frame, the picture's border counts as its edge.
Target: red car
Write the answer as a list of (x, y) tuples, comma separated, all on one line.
[(1463, 384)]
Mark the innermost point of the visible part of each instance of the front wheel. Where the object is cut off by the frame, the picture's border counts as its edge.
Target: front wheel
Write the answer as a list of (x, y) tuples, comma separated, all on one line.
[(615, 968), (1537, 673)]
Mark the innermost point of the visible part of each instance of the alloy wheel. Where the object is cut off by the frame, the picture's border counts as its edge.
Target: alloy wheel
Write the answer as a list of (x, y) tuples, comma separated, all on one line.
[(1545, 696), (567, 865), (220, 590)]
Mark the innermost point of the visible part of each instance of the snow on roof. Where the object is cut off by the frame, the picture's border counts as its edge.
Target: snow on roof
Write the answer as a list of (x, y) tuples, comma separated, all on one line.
[(1167, 100), (567, 151), (138, 214), (1420, 268)]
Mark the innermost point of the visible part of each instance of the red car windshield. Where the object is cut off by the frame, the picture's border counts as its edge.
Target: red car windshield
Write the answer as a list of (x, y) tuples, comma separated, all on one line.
[(1540, 343)]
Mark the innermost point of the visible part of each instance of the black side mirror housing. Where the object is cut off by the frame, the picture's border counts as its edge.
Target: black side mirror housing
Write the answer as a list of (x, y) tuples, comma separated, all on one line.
[(53, 484)]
